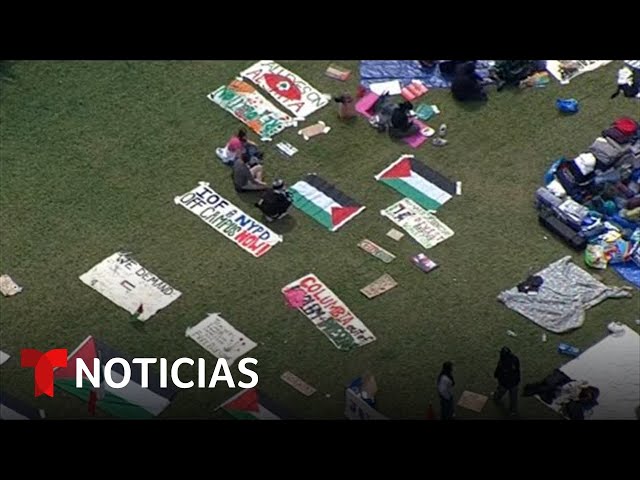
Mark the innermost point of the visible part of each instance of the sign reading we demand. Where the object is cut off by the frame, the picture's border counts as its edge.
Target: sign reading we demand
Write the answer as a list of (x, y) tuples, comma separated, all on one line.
[(227, 219)]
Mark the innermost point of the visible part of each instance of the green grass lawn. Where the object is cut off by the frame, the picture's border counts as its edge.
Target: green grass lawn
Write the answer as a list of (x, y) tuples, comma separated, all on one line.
[(93, 154)]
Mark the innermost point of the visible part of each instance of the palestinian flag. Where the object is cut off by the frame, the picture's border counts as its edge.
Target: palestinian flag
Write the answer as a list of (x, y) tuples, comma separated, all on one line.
[(132, 401), (324, 202), (13, 409), (416, 181), (252, 404)]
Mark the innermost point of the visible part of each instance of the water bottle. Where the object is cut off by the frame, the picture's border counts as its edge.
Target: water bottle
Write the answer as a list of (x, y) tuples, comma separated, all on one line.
[(511, 333), (544, 337)]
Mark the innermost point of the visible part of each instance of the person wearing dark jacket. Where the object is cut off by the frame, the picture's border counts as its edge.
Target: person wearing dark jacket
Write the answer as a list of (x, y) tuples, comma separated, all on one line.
[(401, 124), (512, 72), (508, 375), (275, 202), (467, 84)]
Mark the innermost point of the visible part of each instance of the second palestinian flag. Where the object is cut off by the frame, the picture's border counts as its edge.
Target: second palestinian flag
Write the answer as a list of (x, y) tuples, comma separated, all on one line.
[(415, 180), (324, 202)]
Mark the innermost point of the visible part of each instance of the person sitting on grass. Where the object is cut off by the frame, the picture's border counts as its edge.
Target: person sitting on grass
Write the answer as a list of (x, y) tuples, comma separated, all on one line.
[(509, 73), (401, 124), (245, 178), (275, 202), (467, 84), (234, 148)]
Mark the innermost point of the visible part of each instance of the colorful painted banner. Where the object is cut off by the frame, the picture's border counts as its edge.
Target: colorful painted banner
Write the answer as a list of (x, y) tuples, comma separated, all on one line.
[(248, 105), (227, 219), (291, 91), (332, 317), (424, 227)]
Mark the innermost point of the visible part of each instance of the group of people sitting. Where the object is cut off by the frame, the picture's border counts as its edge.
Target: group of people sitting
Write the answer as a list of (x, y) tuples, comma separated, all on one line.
[(468, 86), (248, 175)]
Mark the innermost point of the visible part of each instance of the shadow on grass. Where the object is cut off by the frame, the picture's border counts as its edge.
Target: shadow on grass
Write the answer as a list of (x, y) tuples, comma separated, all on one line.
[(472, 106), (284, 225), (249, 199), (137, 324), (6, 73)]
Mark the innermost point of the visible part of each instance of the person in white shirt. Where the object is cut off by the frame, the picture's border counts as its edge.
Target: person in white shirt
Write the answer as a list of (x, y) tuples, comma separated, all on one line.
[(445, 391)]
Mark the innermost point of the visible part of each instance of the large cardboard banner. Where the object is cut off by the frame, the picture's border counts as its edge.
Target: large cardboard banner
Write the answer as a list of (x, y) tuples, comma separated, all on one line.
[(248, 105), (424, 227), (330, 315), (220, 339), (291, 91), (227, 219), (130, 285), (355, 408)]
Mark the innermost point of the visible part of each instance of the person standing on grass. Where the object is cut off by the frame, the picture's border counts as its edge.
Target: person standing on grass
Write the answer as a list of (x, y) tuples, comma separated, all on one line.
[(508, 375), (445, 391), (346, 106)]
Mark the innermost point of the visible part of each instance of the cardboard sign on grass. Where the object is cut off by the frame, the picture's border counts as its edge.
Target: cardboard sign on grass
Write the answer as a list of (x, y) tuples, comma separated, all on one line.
[(472, 401), (395, 235), (376, 250), (379, 286), (297, 383)]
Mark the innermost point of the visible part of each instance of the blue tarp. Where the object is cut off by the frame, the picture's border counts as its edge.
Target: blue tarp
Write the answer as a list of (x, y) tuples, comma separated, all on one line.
[(629, 271), (375, 71)]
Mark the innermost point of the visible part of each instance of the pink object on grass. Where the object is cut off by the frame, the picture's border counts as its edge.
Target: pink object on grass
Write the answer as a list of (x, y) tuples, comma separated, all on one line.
[(364, 108), (418, 139), (365, 104), (294, 298)]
